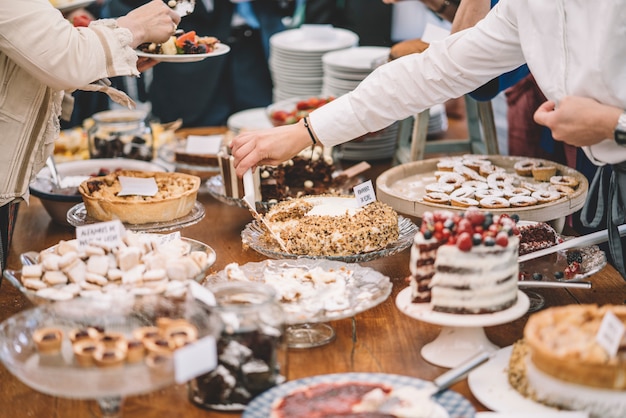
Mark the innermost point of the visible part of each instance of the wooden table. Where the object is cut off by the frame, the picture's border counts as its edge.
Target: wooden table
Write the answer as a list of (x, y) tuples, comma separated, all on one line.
[(381, 339)]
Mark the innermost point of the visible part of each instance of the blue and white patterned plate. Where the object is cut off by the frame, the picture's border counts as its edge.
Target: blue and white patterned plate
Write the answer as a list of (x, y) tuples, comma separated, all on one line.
[(455, 405)]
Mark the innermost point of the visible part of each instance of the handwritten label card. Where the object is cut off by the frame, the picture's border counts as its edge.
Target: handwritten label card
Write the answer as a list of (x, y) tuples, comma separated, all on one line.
[(610, 333), (364, 193), (138, 186), (195, 359), (109, 233), (202, 145)]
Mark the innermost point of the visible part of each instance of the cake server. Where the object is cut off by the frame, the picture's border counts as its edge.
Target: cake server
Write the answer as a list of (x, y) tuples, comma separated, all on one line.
[(445, 380), (578, 242), (250, 199)]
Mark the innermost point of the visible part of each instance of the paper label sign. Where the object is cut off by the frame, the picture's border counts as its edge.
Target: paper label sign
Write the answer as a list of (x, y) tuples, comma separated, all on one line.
[(193, 360), (364, 193), (137, 186), (202, 145), (165, 238), (109, 233), (610, 333)]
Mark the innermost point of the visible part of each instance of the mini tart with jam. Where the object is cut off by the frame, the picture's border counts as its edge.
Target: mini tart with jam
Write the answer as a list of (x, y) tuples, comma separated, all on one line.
[(48, 340), (181, 333), (82, 333), (105, 356), (175, 197), (84, 350)]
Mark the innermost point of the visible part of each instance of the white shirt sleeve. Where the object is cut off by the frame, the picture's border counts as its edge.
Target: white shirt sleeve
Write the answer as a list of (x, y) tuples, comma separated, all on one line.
[(447, 69)]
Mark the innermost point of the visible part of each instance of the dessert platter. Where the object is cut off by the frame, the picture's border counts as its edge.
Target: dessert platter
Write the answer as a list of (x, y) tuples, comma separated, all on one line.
[(564, 361), (336, 246), (86, 349), (312, 292), (301, 393), (150, 201), (220, 49), (456, 184), (201, 165), (61, 272), (464, 276)]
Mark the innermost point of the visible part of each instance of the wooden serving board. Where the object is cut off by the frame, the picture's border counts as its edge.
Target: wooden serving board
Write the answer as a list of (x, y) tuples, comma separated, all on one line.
[(402, 187)]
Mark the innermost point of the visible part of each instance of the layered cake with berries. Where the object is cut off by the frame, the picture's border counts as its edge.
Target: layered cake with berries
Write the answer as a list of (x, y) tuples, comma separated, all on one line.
[(465, 263), (560, 361), (332, 225)]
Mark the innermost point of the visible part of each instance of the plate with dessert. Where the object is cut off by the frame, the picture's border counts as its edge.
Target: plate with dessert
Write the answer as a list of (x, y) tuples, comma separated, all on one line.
[(155, 202), (147, 264), (350, 393), (189, 160), (104, 349), (568, 265), (536, 189), (311, 290), (183, 47), (330, 227), (558, 364)]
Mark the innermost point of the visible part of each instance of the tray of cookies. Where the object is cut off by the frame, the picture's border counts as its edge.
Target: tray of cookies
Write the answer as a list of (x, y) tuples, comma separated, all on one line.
[(536, 189)]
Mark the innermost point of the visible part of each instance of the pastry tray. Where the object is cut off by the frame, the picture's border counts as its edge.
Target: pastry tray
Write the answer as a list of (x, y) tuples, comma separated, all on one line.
[(393, 188)]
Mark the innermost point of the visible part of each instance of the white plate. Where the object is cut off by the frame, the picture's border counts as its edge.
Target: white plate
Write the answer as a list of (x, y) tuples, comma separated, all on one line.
[(311, 41), (361, 58), (365, 288), (249, 119), (68, 6), (489, 383), (454, 404), (220, 49)]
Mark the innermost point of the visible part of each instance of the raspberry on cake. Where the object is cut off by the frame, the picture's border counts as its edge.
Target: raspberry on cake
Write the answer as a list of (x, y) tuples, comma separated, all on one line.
[(465, 263)]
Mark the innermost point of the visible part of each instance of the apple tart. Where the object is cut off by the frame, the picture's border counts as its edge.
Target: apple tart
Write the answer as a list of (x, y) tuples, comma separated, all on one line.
[(174, 199), (562, 344)]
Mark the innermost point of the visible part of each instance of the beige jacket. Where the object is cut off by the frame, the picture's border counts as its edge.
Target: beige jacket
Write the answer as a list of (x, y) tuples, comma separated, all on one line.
[(42, 56)]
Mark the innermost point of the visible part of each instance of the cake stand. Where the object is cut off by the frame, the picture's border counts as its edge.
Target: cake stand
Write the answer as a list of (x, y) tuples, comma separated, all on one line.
[(59, 374), (462, 336)]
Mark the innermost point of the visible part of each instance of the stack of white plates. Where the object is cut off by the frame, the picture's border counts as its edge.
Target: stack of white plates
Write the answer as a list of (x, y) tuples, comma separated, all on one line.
[(296, 58), (344, 70), (372, 146)]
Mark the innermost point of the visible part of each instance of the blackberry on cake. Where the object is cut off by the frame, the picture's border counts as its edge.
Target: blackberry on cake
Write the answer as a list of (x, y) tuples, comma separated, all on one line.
[(465, 263)]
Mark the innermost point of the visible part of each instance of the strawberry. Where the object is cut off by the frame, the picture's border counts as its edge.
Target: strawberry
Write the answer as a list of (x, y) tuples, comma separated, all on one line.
[(81, 20), (464, 241)]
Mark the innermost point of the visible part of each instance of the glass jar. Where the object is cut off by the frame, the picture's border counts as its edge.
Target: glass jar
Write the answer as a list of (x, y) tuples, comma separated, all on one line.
[(121, 134), (252, 351)]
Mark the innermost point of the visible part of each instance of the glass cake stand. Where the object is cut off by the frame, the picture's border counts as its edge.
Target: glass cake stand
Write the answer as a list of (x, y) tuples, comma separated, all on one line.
[(58, 374), (306, 318), (462, 336)]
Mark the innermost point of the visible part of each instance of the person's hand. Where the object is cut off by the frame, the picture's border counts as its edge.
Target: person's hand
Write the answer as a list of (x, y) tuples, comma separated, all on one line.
[(578, 121), (152, 22), (145, 63), (268, 146)]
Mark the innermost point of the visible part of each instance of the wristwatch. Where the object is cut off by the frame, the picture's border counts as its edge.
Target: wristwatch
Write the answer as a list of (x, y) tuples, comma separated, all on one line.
[(620, 130)]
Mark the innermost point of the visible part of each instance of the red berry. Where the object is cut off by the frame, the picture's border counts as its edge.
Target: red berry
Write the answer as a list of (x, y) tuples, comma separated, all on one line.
[(475, 217), (464, 241), (502, 239)]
